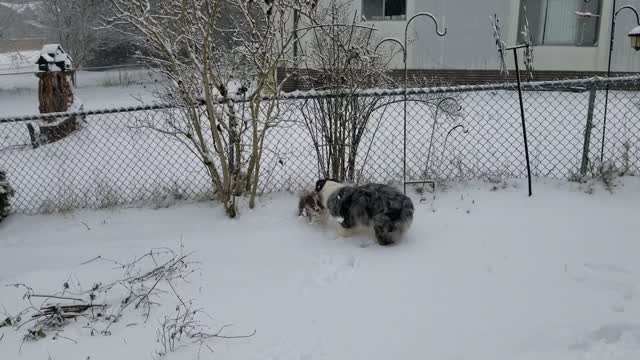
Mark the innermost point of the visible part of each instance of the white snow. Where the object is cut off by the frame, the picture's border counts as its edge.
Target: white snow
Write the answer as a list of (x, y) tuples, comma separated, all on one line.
[(17, 62), (50, 49), (483, 275), (47, 57)]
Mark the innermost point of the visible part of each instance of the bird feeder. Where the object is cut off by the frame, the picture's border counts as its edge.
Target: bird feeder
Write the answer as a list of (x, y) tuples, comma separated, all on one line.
[(634, 35), (55, 95), (53, 58)]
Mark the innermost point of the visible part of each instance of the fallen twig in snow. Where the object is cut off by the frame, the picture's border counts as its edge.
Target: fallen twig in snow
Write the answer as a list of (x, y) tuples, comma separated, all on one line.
[(57, 335), (185, 328), (141, 281), (145, 282), (55, 297)]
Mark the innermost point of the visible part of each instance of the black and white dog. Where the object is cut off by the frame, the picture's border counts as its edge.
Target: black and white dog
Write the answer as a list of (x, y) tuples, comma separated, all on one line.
[(381, 207)]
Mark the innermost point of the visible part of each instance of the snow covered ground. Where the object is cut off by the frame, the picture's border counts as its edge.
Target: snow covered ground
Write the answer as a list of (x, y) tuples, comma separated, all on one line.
[(483, 275), (18, 61), (19, 102)]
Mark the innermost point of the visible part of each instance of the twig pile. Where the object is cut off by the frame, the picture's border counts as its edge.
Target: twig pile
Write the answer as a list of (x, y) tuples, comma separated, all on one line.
[(146, 281), (141, 283)]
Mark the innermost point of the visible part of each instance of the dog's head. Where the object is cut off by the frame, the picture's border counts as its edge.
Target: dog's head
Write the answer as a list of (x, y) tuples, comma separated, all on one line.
[(309, 204)]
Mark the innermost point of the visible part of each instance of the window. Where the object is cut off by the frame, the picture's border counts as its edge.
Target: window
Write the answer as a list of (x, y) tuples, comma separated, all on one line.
[(561, 22), (384, 9)]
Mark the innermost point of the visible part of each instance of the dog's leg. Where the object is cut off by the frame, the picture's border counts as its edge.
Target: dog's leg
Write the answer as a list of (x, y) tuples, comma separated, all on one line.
[(383, 228), (344, 232)]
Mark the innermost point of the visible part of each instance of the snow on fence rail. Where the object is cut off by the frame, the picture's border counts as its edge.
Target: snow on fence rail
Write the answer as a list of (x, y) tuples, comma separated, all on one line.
[(453, 133)]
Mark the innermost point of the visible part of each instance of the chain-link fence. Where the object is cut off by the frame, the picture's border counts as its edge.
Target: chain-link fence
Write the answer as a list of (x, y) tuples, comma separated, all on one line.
[(127, 156)]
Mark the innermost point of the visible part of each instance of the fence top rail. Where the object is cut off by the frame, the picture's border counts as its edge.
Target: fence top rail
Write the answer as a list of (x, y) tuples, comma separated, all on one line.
[(88, 69), (114, 110), (314, 94), (529, 86)]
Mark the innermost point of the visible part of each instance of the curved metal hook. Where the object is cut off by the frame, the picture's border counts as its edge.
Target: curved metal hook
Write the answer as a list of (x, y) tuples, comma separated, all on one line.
[(439, 105), (389, 39), (393, 40), (444, 146), (435, 122), (446, 138), (630, 8), (429, 15)]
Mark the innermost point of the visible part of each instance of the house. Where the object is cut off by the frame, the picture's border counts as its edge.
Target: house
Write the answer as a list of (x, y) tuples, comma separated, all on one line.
[(570, 37)]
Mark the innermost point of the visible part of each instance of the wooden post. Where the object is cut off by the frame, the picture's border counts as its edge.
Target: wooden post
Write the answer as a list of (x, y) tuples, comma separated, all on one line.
[(587, 131), (54, 92)]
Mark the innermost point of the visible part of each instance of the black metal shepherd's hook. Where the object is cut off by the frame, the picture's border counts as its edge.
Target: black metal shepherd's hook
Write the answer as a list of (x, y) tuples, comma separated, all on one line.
[(404, 46), (522, 117), (615, 12), (502, 48)]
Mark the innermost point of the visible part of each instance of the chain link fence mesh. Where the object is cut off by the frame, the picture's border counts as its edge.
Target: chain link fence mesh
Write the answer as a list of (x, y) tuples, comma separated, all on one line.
[(129, 156)]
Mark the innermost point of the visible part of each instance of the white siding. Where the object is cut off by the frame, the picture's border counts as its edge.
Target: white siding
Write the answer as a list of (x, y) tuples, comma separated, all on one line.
[(469, 43)]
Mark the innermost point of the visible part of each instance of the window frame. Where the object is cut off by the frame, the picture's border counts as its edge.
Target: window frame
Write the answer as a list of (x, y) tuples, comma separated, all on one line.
[(598, 26), (384, 17)]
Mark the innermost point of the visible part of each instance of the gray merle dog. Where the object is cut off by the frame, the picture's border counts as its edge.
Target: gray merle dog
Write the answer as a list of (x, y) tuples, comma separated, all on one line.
[(381, 207)]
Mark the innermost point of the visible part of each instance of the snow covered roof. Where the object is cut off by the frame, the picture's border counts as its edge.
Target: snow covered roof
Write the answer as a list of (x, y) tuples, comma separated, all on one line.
[(51, 49), (635, 31), (55, 51), (47, 57)]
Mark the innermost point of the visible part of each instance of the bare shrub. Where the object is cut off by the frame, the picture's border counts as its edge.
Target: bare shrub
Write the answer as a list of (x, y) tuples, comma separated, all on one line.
[(6, 193), (212, 53)]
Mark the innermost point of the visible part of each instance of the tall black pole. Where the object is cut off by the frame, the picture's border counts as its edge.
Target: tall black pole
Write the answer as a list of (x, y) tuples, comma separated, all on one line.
[(614, 14), (405, 48), (524, 125), (404, 118)]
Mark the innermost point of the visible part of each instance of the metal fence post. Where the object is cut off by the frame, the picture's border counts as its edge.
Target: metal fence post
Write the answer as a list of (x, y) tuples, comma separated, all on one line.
[(587, 130), (32, 136)]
